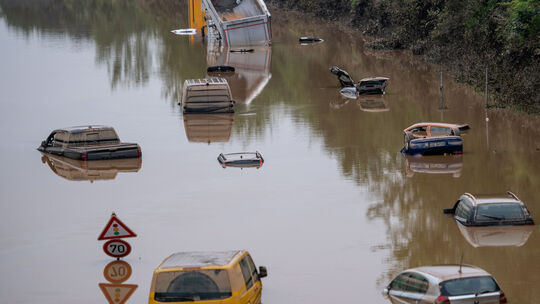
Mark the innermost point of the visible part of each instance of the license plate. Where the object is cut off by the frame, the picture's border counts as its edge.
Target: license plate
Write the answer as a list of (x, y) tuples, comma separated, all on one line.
[(436, 144)]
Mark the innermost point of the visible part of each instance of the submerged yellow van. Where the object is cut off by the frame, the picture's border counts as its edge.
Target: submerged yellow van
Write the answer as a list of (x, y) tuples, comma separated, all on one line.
[(224, 277)]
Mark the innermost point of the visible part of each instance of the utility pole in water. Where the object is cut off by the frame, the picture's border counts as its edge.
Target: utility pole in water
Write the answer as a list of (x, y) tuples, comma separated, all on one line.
[(487, 96)]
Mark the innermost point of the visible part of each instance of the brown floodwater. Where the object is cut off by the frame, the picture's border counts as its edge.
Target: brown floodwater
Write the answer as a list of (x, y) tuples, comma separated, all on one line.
[(334, 213)]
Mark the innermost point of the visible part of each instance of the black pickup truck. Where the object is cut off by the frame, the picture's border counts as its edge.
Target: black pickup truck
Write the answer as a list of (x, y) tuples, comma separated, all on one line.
[(89, 143)]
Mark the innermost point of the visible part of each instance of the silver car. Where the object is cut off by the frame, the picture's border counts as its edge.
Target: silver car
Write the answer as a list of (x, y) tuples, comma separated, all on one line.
[(445, 284)]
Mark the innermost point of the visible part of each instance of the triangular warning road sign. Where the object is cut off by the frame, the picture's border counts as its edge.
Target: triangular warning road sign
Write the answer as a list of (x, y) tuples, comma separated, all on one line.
[(117, 293), (115, 229)]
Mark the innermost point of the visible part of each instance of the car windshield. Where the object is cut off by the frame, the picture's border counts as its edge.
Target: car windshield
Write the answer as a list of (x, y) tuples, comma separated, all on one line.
[(192, 285), (471, 285), (499, 212)]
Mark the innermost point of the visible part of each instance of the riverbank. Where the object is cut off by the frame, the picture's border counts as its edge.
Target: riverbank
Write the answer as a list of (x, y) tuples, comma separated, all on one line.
[(464, 38)]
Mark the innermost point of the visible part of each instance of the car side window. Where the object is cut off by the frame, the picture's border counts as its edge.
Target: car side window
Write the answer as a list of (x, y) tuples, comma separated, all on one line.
[(439, 131), (419, 131), (254, 272), (462, 210), (400, 282), (417, 283), (246, 272)]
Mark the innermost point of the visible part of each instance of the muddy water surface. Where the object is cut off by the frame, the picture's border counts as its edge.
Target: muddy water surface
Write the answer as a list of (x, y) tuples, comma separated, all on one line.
[(335, 211)]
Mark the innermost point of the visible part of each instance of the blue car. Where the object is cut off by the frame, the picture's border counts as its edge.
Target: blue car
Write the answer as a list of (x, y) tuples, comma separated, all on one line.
[(434, 145)]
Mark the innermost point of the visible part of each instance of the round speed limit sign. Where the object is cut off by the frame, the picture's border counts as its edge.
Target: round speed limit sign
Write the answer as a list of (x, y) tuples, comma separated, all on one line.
[(117, 248)]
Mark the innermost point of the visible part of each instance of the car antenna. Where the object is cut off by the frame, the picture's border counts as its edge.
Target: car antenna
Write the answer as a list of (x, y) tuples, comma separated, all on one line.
[(460, 263)]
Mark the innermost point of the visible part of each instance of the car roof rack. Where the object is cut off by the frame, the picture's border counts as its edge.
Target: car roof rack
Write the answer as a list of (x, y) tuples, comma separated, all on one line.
[(513, 195)]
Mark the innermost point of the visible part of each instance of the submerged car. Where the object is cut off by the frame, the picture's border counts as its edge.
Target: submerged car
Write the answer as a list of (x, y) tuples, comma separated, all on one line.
[(372, 85), (344, 78), (241, 160), (472, 210), (445, 284), (228, 277), (88, 143), (428, 138), (209, 95)]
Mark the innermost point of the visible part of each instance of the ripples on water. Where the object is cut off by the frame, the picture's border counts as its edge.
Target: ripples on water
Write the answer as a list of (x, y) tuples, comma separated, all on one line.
[(334, 210)]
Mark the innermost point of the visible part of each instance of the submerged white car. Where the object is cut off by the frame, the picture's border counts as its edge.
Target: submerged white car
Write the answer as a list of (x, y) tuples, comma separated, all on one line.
[(445, 284)]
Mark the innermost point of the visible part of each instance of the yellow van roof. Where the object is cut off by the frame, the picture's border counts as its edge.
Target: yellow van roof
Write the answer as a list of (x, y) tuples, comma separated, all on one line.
[(199, 259)]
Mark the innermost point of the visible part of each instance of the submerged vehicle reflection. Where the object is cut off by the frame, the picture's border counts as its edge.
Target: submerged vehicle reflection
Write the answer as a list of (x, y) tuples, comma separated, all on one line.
[(241, 160), (251, 69), (79, 170), (207, 277), (434, 164), (445, 284), (372, 103), (208, 128), (484, 236)]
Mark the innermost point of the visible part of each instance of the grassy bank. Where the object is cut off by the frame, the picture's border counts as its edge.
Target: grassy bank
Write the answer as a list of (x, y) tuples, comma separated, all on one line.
[(464, 37)]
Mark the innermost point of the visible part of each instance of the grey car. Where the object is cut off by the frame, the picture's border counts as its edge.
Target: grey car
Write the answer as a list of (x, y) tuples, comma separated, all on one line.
[(445, 284)]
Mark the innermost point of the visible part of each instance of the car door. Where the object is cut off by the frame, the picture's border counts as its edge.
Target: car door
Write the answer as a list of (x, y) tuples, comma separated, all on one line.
[(397, 288)]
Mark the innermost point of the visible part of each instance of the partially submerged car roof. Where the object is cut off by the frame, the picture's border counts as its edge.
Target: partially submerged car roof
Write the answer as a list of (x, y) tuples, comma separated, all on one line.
[(199, 259), (450, 272), (80, 129), (437, 124), (507, 198), (379, 78)]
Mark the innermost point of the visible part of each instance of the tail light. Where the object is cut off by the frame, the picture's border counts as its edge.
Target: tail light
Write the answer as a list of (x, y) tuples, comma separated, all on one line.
[(139, 152), (442, 300), (502, 298), (84, 156)]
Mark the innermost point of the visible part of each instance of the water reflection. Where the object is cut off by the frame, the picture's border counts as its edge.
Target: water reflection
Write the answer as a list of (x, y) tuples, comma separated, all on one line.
[(208, 128), (78, 170), (434, 164), (372, 103), (117, 272), (480, 236), (252, 69)]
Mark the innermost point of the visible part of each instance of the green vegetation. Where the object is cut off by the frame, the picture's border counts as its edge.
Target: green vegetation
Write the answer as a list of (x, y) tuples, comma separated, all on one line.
[(464, 37)]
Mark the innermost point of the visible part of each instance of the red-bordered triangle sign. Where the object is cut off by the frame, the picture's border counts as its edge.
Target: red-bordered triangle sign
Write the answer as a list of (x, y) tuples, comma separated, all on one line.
[(115, 229), (117, 293)]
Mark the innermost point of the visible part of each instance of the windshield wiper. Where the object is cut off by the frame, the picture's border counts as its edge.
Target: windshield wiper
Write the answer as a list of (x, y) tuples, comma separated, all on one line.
[(492, 217), (484, 291), (176, 299)]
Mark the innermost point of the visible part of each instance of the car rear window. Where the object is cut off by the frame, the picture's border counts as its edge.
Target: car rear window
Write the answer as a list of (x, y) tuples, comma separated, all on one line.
[(192, 285), (470, 285), (491, 212)]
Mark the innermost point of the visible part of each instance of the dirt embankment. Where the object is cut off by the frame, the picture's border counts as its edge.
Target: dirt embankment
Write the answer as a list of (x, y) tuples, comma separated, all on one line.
[(464, 37)]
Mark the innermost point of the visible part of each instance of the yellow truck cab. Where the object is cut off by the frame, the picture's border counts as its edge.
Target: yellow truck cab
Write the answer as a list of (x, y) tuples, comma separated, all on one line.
[(224, 277)]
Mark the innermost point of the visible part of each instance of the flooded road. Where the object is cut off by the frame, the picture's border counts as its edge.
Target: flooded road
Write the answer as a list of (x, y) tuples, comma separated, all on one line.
[(334, 213)]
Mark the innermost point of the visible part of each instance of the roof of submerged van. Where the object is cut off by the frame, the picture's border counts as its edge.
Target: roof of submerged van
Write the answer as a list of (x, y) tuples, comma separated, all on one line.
[(199, 259), (80, 129)]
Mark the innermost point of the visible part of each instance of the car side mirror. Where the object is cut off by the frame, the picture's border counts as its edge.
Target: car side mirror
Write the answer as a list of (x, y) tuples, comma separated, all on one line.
[(44, 144), (263, 272), (449, 211)]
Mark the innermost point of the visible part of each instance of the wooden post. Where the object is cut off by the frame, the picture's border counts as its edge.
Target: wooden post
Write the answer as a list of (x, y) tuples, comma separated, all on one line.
[(441, 89)]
